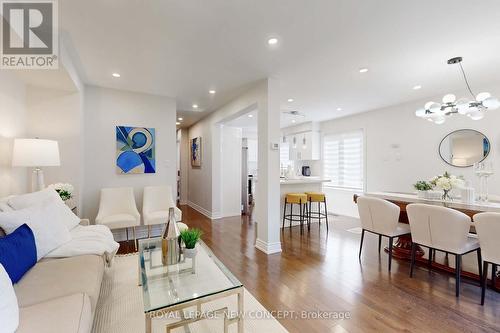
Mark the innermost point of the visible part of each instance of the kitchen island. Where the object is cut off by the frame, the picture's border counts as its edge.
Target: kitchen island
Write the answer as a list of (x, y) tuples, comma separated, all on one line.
[(298, 185)]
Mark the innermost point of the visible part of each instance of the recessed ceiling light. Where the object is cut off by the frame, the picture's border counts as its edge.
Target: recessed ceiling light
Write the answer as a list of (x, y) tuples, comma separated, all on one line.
[(180, 119), (177, 123), (293, 120), (250, 115), (272, 41), (363, 70), (290, 100), (339, 109), (417, 87), (195, 106), (211, 92), (116, 74)]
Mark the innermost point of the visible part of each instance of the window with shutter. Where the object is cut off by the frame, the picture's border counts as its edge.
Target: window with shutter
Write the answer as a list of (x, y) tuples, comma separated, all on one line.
[(343, 160)]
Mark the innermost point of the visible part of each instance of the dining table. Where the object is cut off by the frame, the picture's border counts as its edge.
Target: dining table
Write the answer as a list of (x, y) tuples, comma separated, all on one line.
[(402, 248)]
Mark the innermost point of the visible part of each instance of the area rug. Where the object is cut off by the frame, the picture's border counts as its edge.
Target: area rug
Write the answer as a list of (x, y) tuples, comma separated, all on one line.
[(120, 307)]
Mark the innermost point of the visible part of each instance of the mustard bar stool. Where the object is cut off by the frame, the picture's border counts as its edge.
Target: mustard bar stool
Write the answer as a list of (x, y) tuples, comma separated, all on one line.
[(320, 198), (299, 199)]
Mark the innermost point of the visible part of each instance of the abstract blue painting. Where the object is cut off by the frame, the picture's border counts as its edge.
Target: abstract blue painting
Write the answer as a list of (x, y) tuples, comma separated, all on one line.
[(135, 150), (196, 152)]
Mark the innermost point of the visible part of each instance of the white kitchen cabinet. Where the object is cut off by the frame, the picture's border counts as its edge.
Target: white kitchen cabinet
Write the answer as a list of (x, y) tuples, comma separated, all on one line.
[(304, 146)]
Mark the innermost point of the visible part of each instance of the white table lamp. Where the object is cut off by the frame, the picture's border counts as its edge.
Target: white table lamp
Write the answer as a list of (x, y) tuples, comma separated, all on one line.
[(36, 153)]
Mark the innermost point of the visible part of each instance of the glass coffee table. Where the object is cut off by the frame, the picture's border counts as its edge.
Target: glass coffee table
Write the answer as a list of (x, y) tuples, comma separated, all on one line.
[(173, 288)]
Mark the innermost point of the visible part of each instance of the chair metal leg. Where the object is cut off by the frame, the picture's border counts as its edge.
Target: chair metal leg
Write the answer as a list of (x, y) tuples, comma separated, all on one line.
[(309, 212), (300, 216), (429, 263), (135, 238), (479, 262), (458, 259), (484, 280), (379, 243), (493, 275), (391, 239), (284, 213), (291, 217), (361, 243), (326, 214), (412, 264)]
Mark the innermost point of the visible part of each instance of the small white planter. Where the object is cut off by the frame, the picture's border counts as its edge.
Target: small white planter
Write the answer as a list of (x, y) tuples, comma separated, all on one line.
[(190, 253)]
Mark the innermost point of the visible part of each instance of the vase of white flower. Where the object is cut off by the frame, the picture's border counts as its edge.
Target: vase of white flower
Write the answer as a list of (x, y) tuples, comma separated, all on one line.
[(65, 191), (447, 183)]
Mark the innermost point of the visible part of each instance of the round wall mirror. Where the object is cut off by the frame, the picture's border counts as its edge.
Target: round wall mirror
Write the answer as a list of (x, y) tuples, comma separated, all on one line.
[(464, 147)]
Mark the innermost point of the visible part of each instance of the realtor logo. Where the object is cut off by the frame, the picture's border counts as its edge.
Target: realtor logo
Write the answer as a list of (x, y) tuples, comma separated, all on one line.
[(29, 35)]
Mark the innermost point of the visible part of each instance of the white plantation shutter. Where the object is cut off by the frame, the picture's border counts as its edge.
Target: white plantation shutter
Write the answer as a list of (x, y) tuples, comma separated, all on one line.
[(343, 160)]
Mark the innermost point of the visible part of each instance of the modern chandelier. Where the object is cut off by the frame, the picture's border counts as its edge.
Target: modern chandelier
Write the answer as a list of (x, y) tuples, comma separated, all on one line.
[(474, 109)]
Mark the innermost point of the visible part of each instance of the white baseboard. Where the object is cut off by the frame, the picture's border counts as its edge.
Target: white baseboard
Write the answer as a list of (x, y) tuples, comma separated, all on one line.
[(268, 248), (201, 210)]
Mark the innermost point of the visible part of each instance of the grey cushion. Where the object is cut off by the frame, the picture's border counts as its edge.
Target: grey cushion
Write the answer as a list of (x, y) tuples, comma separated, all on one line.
[(61, 277), (69, 314)]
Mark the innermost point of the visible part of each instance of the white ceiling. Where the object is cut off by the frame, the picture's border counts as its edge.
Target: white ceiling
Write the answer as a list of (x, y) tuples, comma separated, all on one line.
[(183, 48)]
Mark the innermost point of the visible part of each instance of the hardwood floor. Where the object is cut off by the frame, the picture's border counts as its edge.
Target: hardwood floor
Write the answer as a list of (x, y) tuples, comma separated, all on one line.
[(321, 272)]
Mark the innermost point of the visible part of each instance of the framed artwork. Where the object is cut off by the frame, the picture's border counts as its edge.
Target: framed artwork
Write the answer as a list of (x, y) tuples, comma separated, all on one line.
[(196, 152), (135, 150)]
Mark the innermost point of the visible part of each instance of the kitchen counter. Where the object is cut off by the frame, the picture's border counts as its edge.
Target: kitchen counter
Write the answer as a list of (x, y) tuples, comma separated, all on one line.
[(303, 180)]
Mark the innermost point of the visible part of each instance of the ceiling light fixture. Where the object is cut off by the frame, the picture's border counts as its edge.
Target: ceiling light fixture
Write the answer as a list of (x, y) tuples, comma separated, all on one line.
[(417, 87), (363, 70), (474, 109), (339, 109), (180, 119), (272, 41), (177, 123), (250, 115), (195, 106), (290, 100), (212, 92), (293, 121), (116, 74)]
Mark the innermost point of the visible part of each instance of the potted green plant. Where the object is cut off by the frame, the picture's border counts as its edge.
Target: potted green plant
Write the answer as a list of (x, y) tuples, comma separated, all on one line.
[(190, 237), (422, 187)]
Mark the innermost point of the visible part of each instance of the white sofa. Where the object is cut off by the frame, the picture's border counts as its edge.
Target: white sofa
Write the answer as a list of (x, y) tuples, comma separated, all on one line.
[(59, 294)]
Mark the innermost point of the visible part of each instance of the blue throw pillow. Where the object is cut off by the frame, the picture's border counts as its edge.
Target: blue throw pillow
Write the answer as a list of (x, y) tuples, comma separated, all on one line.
[(18, 252)]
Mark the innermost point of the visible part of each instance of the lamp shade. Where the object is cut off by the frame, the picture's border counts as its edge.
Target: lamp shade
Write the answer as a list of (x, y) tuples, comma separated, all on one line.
[(35, 153)]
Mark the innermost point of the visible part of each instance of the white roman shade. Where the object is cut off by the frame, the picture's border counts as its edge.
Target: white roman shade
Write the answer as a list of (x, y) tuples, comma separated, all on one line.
[(343, 160)]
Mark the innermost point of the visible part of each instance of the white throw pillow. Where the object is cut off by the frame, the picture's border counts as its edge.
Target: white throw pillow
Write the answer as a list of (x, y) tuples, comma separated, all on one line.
[(9, 309), (69, 219), (44, 220), (4, 207), (32, 199)]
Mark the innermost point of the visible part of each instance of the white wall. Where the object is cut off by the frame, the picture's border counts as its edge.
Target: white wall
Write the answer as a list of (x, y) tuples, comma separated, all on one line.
[(184, 164), (58, 115), (204, 193), (12, 125), (231, 170), (401, 148), (103, 110)]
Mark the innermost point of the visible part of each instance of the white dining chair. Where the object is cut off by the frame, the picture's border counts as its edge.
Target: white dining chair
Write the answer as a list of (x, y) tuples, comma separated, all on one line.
[(442, 229), (487, 227), (117, 209), (380, 217), (157, 200)]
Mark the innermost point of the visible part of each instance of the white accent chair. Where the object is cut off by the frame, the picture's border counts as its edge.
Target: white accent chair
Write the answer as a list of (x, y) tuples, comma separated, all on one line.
[(380, 217), (443, 229), (117, 209), (157, 200), (488, 229)]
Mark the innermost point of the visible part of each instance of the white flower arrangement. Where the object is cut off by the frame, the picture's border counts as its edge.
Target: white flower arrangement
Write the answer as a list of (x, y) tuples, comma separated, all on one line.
[(447, 182), (65, 191)]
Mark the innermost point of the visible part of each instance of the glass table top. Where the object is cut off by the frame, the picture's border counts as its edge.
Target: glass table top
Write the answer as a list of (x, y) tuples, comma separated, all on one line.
[(165, 286)]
